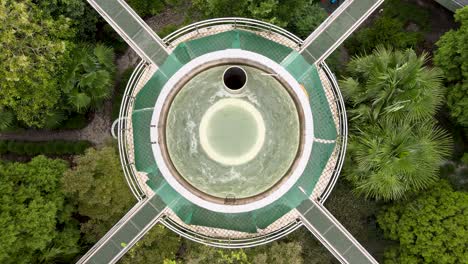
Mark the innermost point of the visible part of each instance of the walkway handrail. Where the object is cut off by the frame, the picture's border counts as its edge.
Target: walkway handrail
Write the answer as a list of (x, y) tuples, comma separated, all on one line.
[(111, 231), (342, 141), (124, 126), (341, 11), (236, 22), (230, 243), (340, 227)]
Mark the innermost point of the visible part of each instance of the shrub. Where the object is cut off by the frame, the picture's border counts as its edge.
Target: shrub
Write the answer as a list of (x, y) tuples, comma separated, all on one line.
[(385, 31), (307, 20), (167, 30), (58, 147), (77, 121), (452, 58), (146, 8), (430, 228)]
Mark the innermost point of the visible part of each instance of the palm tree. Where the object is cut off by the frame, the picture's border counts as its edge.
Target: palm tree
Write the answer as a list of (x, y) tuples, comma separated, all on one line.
[(392, 159), (6, 119), (88, 80), (394, 85)]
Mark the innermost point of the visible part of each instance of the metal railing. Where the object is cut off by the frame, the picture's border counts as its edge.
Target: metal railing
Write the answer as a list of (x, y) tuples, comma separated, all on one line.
[(103, 10), (342, 139), (341, 10), (235, 22), (112, 231), (321, 236), (124, 126), (233, 242)]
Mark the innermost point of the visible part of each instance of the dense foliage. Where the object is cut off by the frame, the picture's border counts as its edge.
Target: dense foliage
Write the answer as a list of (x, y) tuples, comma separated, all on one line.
[(35, 217), (452, 58), (89, 77), (96, 184), (393, 159), (53, 147), (430, 229), (395, 148), (400, 25), (300, 16), (394, 85), (82, 16), (158, 245), (146, 8), (33, 46), (38, 49)]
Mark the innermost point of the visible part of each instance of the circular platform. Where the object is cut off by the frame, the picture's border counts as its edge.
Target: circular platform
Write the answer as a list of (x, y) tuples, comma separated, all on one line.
[(267, 163), (232, 145)]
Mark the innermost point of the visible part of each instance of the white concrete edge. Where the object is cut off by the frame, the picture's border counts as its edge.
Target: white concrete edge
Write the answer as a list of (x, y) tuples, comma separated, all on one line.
[(308, 129)]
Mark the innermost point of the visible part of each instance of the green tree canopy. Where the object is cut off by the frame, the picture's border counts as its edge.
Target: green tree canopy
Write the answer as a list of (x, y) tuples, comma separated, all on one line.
[(392, 159), (158, 245), (431, 228), (392, 84), (452, 58), (89, 76), (146, 8), (82, 15), (33, 45), (34, 215), (284, 13), (394, 147), (98, 187)]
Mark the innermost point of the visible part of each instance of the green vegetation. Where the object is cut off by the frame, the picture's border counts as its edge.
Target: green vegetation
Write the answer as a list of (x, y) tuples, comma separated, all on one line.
[(429, 229), (395, 147), (39, 40), (455, 172), (401, 25), (33, 48), (36, 219), (393, 159), (55, 72), (33, 148), (393, 85), (300, 16), (97, 186), (157, 246), (452, 58), (146, 8), (88, 79)]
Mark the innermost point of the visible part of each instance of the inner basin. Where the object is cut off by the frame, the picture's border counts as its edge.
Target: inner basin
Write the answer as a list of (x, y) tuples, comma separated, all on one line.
[(229, 145), (232, 131)]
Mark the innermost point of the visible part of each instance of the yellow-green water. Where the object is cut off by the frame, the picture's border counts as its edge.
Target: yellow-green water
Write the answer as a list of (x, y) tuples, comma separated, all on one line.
[(232, 145)]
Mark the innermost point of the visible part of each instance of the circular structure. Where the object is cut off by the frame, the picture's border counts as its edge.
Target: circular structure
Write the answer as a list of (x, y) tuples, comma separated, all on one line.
[(234, 79), (232, 133), (229, 145), (194, 88)]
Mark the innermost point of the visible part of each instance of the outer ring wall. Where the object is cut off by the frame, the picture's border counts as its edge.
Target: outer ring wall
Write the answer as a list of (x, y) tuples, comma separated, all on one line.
[(226, 57)]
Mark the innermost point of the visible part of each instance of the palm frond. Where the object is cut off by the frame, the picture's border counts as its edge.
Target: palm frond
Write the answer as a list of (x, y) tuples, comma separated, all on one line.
[(6, 119)]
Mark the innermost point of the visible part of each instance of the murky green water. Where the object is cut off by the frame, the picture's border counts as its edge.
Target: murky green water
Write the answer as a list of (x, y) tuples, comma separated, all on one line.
[(247, 146)]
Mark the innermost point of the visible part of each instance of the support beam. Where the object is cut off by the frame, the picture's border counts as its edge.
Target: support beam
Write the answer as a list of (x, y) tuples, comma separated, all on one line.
[(332, 234), (336, 28), (453, 5), (139, 220), (133, 29)]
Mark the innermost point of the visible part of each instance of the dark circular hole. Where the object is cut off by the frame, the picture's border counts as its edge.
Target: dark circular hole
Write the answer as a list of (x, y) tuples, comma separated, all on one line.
[(234, 78)]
